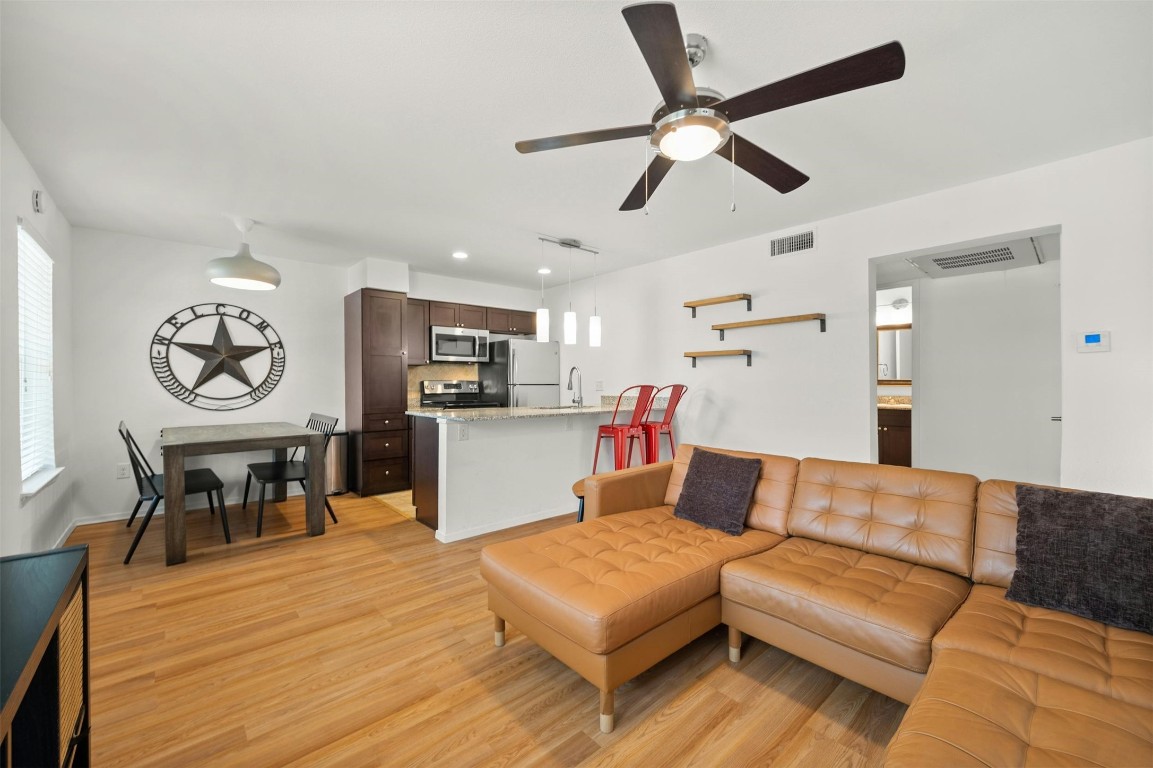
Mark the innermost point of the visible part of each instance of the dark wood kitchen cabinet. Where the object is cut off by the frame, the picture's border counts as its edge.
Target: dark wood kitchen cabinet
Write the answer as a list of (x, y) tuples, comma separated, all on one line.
[(511, 321), (895, 437), (417, 332), (376, 390), (457, 315)]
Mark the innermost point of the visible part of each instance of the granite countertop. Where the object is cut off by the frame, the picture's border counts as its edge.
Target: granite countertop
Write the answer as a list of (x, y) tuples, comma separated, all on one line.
[(895, 402), (501, 414)]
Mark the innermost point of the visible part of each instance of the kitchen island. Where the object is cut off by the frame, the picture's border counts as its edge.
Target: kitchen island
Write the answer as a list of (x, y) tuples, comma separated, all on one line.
[(486, 469)]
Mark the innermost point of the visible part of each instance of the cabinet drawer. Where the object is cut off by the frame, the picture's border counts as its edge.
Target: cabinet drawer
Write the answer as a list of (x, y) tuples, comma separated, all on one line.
[(384, 476), (385, 445), (384, 422), (894, 417)]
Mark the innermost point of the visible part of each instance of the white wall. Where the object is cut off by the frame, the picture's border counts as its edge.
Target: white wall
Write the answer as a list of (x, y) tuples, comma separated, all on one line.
[(423, 285), (126, 287), (810, 394), (988, 379), (39, 523)]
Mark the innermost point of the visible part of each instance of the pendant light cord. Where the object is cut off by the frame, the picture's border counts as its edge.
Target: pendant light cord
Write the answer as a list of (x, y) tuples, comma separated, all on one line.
[(646, 179), (733, 177)]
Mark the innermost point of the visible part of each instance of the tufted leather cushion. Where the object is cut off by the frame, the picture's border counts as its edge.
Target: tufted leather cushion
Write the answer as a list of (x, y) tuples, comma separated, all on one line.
[(886, 608), (921, 516), (604, 582), (1114, 662), (771, 496), (995, 538), (979, 711)]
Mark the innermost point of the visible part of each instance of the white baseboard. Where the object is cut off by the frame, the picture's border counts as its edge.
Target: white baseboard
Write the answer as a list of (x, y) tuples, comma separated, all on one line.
[(447, 537)]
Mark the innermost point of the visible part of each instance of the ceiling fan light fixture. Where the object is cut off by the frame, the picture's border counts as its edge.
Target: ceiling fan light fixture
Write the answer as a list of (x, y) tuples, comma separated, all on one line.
[(690, 134)]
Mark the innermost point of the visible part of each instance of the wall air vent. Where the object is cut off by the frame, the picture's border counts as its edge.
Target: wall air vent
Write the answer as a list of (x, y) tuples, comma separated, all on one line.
[(989, 258), (801, 241)]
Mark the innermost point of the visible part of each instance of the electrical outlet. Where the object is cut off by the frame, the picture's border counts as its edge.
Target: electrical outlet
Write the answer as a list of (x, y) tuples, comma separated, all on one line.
[(123, 472), (599, 386), (462, 433)]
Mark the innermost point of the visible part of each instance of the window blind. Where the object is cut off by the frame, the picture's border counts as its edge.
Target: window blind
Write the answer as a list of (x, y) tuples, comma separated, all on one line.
[(34, 286)]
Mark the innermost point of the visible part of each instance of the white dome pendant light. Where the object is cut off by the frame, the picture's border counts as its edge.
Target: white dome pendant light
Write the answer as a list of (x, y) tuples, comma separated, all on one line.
[(242, 270)]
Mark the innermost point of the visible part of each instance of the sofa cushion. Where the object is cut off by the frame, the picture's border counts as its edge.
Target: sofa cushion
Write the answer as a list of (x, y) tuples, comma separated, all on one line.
[(604, 582), (921, 516), (886, 608), (978, 711), (1110, 661), (1085, 553), (717, 490), (771, 496)]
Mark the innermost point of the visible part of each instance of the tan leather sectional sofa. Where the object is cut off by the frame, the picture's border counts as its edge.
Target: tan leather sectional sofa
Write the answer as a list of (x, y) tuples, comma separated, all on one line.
[(889, 576)]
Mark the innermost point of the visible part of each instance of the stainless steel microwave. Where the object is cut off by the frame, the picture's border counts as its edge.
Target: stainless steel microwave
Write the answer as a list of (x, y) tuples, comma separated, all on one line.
[(458, 345)]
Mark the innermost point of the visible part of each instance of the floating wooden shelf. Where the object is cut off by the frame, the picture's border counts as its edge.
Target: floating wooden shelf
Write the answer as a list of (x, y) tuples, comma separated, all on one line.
[(722, 327), (748, 299), (748, 354)]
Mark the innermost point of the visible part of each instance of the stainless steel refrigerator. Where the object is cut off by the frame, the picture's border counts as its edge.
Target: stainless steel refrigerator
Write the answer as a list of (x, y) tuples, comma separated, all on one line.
[(521, 373)]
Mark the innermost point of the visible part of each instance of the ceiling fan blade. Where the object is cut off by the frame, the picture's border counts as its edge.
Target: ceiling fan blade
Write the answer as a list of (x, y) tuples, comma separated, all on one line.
[(768, 168), (658, 34), (587, 137), (657, 170), (872, 67)]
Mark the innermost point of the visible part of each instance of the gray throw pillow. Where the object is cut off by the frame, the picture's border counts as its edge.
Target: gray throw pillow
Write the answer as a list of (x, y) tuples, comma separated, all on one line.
[(717, 490), (1089, 554)]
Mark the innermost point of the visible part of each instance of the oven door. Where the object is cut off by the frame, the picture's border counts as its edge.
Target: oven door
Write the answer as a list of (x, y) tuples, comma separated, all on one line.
[(458, 345)]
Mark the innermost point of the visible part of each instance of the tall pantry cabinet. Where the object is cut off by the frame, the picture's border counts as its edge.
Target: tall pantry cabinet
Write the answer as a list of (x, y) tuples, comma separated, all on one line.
[(376, 390)]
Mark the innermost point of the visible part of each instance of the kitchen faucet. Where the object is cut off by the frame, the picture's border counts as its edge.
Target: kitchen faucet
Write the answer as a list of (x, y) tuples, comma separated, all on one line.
[(578, 396)]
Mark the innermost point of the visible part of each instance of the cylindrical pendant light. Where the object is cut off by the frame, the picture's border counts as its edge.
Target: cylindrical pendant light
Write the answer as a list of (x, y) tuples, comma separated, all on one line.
[(570, 331), (542, 311), (594, 319)]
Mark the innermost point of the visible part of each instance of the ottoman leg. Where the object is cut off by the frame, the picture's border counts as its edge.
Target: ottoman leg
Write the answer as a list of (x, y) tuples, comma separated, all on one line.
[(734, 644), (608, 721), (498, 631)]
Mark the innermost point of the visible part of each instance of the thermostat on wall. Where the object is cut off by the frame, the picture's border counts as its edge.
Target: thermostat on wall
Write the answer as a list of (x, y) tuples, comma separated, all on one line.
[(1093, 341)]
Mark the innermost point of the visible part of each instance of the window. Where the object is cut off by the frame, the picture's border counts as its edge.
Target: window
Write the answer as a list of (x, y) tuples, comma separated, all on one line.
[(34, 287)]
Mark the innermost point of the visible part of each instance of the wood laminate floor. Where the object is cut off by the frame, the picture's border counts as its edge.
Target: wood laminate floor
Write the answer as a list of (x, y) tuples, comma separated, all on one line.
[(372, 645)]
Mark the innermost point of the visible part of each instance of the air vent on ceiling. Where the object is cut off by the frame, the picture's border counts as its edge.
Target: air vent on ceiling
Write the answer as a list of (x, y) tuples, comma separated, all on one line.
[(801, 241), (976, 259), (1010, 255)]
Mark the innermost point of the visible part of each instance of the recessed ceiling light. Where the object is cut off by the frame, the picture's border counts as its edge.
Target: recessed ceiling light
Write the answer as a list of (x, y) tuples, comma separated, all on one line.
[(459, 255), (544, 271)]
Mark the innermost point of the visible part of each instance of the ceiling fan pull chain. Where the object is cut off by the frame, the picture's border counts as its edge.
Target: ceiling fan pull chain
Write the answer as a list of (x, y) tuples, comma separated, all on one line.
[(733, 177)]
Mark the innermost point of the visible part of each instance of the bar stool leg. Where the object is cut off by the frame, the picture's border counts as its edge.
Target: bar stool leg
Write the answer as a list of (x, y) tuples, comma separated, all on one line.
[(619, 450), (597, 453)]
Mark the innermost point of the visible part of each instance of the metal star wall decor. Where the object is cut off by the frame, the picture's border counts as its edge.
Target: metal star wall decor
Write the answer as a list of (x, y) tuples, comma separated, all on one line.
[(224, 382)]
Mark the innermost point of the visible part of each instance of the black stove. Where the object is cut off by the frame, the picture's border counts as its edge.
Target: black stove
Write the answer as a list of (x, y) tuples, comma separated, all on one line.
[(449, 394)]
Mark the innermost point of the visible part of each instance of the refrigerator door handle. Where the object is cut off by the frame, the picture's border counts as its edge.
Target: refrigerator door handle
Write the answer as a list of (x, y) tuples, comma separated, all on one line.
[(512, 356)]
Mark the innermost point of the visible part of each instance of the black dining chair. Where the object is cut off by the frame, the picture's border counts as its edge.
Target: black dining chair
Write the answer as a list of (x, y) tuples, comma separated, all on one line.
[(290, 471), (150, 486)]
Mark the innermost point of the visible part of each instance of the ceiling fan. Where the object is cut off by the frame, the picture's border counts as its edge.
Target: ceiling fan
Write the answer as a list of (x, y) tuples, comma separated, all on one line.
[(692, 122)]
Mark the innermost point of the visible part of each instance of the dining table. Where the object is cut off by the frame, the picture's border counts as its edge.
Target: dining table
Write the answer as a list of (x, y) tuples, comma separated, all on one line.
[(177, 443)]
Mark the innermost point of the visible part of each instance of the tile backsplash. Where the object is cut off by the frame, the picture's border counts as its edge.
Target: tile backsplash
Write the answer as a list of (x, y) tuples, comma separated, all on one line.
[(419, 373)]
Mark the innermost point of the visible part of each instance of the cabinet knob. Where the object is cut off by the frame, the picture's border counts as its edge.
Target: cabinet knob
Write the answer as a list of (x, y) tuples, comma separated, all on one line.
[(387, 472), (386, 445)]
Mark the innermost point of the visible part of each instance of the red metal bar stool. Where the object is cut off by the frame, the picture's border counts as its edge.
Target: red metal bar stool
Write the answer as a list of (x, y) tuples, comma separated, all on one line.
[(622, 434), (654, 429)]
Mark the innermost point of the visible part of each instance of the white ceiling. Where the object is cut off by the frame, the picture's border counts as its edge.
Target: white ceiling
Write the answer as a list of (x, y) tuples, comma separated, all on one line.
[(386, 128)]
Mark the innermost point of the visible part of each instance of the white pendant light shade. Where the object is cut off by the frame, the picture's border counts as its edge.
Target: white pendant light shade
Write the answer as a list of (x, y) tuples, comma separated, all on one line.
[(243, 271), (542, 324), (570, 327), (594, 330)]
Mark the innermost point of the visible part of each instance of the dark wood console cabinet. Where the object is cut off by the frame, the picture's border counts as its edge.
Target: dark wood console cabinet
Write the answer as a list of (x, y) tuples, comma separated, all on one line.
[(376, 390), (44, 659), (895, 437)]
